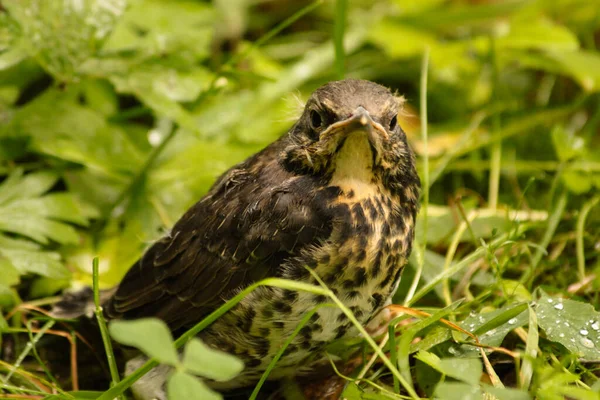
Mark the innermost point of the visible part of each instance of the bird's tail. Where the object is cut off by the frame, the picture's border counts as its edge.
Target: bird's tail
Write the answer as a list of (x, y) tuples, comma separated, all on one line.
[(79, 302)]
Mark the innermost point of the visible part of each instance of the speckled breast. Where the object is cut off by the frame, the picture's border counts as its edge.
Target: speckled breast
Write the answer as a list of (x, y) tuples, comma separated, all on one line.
[(361, 263)]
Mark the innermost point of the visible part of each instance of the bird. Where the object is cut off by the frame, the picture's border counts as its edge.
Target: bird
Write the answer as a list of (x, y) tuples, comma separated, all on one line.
[(337, 194)]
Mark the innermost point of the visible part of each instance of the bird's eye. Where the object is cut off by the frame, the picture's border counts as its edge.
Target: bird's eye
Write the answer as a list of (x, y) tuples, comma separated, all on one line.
[(316, 120), (394, 122)]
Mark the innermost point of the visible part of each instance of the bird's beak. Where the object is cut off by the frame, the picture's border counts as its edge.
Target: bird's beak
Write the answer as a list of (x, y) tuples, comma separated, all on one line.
[(359, 121)]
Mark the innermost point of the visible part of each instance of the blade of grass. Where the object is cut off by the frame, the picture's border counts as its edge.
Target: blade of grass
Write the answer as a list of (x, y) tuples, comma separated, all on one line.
[(341, 11), (110, 356), (465, 262), (425, 185), (553, 221), (393, 353), (28, 347), (531, 348), (36, 355), (496, 157), (580, 232)]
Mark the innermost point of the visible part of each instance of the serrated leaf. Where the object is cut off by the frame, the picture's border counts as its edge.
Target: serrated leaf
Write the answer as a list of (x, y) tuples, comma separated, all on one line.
[(16, 220), (43, 263), (210, 363), (182, 386), (573, 324), (17, 186), (150, 335)]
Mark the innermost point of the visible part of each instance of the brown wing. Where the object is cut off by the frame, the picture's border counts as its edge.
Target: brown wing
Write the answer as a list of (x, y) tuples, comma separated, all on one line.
[(255, 217)]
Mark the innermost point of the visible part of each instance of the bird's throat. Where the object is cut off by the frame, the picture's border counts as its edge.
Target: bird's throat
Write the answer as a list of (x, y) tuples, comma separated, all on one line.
[(353, 170)]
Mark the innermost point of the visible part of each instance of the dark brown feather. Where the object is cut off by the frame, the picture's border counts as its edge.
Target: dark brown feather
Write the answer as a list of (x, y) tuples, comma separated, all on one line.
[(253, 217)]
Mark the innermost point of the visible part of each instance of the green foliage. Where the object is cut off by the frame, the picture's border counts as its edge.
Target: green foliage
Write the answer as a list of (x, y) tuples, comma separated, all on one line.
[(117, 115), (153, 337)]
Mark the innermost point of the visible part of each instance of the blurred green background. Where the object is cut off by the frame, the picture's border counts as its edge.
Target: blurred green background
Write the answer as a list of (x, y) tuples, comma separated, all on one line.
[(116, 115)]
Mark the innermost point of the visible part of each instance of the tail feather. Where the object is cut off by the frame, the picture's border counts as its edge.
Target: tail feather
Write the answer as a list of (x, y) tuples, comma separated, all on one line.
[(78, 303)]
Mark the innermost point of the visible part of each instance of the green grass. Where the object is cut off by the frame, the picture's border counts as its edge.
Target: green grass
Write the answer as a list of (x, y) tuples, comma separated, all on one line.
[(114, 120)]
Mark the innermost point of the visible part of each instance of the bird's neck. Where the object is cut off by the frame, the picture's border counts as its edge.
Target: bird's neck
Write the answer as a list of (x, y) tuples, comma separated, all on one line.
[(353, 167)]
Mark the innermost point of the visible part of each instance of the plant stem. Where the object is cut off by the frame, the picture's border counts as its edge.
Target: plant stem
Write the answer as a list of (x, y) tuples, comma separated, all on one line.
[(496, 157), (425, 184), (110, 356), (580, 233)]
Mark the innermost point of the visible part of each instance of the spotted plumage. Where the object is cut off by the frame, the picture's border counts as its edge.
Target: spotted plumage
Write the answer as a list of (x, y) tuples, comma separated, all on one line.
[(338, 193)]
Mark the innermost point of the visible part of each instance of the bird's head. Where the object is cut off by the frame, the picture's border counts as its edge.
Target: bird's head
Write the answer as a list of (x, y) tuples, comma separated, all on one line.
[(349, 130)]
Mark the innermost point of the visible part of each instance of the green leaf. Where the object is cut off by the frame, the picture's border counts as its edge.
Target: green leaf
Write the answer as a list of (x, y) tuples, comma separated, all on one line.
[(10, 275), (582, 65), (571, 323), (458, 391), (463, 369), (150, 335), (541, 33), (210, 363), (492, 327), (61, 127), (175, 27), (60, 35), (38, 262), (506, 393), (17, 186), (182, 386)]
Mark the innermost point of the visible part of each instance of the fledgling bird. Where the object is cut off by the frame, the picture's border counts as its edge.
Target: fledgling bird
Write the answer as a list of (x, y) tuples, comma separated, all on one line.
[(338, 193)]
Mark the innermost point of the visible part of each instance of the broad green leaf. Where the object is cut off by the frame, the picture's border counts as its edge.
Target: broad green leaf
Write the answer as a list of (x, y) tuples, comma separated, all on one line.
[(12, 57), (183, 386), (61, 127), (10, 275), (150, 335), (458, 391), (491, 327), (566, 144), (180, 27), (507, 393), (582, 65), (463, 369), (571, 323), (436, 335), (7, 297), (540, 33), (210, 363)]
